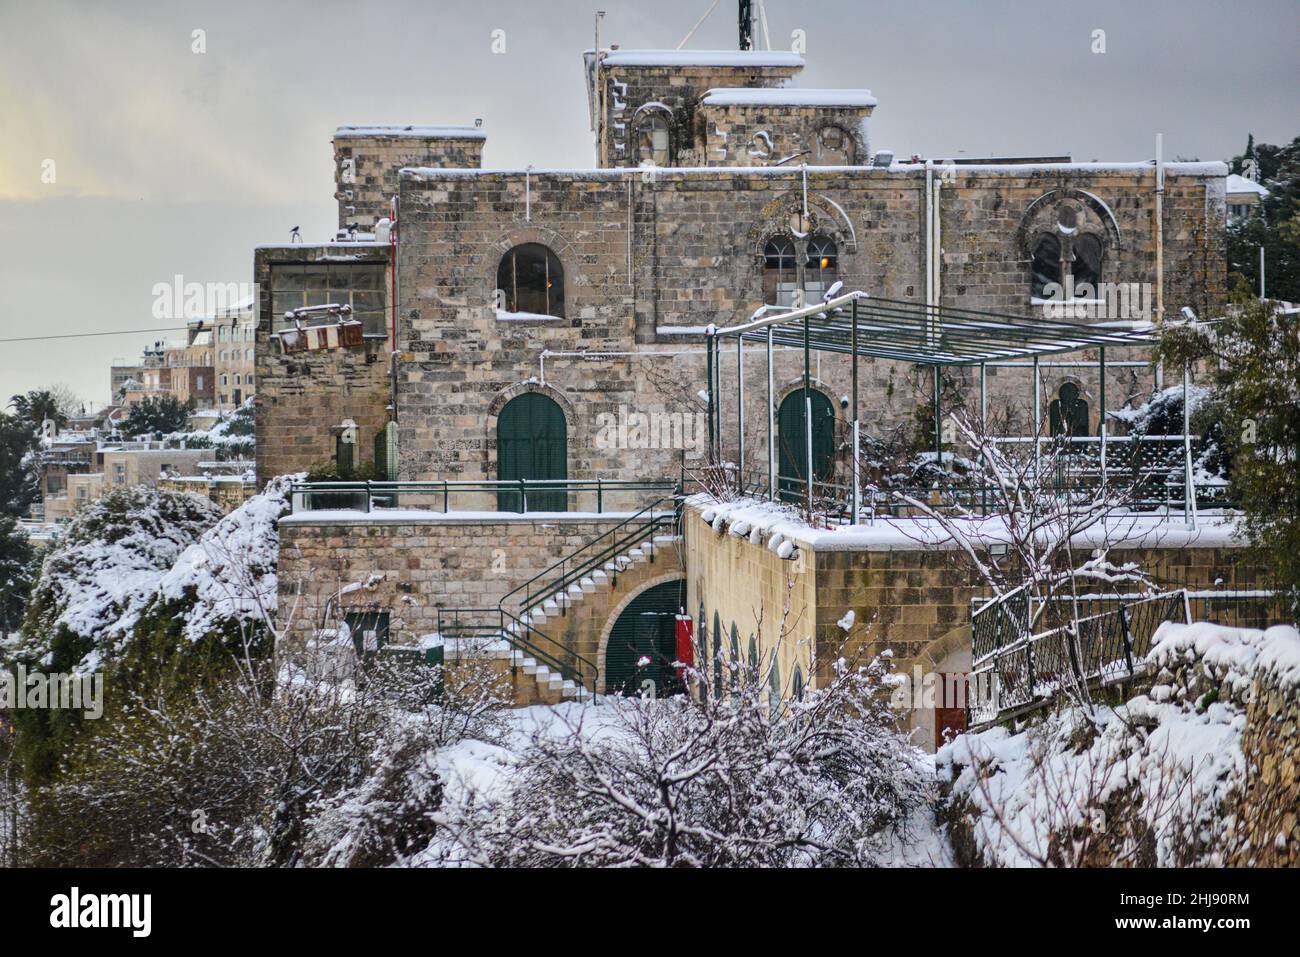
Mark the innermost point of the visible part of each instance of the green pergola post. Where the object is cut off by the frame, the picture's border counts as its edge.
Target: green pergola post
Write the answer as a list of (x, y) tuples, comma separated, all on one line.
[(807, 418), (856, 496), (1101, 412), (708, 372), (771, 423), (740, 414)]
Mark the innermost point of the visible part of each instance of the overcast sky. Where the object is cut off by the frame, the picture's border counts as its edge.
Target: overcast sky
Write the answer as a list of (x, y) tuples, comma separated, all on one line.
[(168, 161)]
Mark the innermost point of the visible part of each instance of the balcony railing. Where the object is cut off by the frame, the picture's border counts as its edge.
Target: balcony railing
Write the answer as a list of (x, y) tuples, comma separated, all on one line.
[(517, 496)]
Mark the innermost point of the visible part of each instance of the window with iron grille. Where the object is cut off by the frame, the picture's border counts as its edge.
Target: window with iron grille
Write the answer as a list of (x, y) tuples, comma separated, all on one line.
[(531, 280)]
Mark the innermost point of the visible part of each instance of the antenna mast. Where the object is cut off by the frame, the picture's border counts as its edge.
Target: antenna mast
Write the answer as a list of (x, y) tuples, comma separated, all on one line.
[(746, 24)]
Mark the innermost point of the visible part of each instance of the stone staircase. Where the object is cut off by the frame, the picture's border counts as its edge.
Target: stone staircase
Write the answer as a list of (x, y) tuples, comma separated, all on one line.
[(587, 601)]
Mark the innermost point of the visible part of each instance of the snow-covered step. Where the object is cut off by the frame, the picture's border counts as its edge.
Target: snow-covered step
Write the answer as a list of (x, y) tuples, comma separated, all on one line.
[(600, 578), (636, 555), (569, 689), (550, 608), (575, 591), (530, 666), (588, 584)]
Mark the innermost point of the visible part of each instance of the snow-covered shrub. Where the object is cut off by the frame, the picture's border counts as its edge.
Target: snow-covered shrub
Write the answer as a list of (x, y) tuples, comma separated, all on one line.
[(103, 571), (268, 766), (735, 781), (155, 588)]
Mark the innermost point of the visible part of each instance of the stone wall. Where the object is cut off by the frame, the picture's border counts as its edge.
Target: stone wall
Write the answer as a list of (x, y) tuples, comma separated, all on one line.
[(910, 601), (628, 83), (650, 260), (762, 135), (416, 563), (367, 160), (302, 398)]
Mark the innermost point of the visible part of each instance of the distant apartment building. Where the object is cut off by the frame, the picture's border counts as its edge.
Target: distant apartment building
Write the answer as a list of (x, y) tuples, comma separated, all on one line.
[(1243, 197), (235, 332)]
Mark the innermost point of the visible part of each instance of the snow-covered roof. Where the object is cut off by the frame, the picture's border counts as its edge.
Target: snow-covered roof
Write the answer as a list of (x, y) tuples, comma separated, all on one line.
[(748, 96), (415, 132), (739, 58), (1239, 184), (617, 174)]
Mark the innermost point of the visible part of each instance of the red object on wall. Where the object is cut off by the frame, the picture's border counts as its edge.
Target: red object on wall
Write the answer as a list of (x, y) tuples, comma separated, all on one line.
[(685, 644)]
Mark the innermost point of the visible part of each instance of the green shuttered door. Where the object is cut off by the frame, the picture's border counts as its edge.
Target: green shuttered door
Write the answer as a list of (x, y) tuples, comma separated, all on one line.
[(532, 444)]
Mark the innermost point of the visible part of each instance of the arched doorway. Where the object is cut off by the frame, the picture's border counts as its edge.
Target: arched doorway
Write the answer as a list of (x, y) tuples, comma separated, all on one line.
[(532, 443), (790, 436), (643, 643)]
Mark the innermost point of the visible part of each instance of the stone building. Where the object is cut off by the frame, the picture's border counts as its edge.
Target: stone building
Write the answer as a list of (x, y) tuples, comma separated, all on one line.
[(234, 332), (514, 323)]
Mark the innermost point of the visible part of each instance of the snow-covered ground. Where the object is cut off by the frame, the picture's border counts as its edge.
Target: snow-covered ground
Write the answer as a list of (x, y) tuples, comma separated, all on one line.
[(1171, 759)]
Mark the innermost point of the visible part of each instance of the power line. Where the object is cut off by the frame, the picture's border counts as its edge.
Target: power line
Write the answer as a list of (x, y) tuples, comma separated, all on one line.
[(87, 335)]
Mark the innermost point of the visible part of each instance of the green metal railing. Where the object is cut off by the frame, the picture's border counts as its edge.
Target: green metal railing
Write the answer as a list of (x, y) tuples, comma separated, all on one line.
[(554, 580), (506, 621), (491, 624), (438, 495)]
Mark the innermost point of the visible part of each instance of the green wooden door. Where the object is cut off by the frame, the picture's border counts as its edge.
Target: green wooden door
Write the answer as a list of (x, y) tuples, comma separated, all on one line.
[(643, 643), (790, 436), (532, 444)]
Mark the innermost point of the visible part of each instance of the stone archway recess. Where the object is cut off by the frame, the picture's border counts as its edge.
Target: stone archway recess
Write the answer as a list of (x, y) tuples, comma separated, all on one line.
[(608, 628), (950, 653)]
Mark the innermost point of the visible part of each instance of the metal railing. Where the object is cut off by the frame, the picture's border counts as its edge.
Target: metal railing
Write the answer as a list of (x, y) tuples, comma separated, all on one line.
[(1150, 469), (442, 496), (491, 624), (506, 621), (554, 580), (1030, 670)]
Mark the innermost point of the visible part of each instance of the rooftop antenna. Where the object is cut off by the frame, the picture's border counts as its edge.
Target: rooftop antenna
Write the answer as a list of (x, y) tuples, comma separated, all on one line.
[(746, 24), (688, 36)]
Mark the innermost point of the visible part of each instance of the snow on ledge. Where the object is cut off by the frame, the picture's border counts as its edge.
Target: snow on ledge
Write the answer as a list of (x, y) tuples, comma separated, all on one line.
[(414, 132), (409, 516), (786, 96), (1243, 652), (915, 533), (741, 58)]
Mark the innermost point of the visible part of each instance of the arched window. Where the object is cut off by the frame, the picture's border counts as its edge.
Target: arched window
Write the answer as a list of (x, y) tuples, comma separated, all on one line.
[(833, 147), (1066, 256), (753, 658), (780, 278), (531, 280), (792, 450), (796, 684), (532, 444), (1086, 267), (653, 138), (1068, 412), (821, 268), (1046, 264)]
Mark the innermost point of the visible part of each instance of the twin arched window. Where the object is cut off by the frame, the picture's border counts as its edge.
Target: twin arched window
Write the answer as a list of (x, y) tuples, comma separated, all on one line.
[(792, 280), (1066, 258), (530, 280)]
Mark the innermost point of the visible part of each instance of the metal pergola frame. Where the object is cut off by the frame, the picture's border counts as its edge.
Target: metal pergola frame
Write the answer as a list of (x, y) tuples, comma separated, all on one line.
[(863, 326)]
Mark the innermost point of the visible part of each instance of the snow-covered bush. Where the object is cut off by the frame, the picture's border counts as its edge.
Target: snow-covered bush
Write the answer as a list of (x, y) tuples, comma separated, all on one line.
[(154, 588), (277, 764), (736, 781), (103, 571)]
